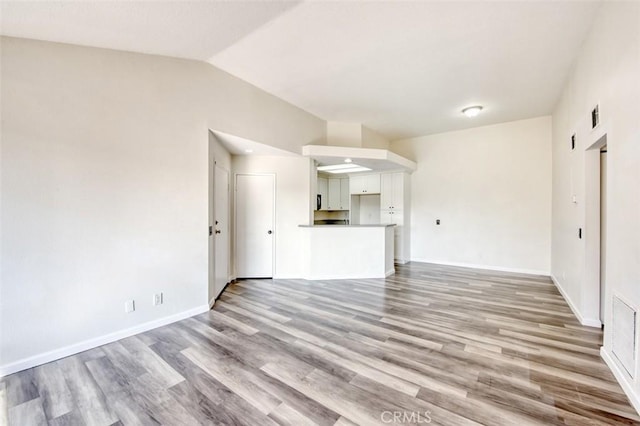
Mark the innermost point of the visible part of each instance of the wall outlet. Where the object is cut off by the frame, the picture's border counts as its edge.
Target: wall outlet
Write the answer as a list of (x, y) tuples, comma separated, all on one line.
[(129, 306), (157, 299)]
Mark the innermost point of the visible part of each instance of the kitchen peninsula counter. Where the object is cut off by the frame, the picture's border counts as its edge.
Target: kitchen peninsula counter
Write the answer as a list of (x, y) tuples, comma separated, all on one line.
[(348, 251), (382, 225)]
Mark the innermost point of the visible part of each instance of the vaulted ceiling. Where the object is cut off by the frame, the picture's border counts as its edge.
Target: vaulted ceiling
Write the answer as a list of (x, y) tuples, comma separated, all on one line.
[(403, 68)]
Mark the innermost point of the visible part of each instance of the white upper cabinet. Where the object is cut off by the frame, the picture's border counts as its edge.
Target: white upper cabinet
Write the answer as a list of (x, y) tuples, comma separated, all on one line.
[(323, 191), (334, 192), (345, 199), (364, 184), (333, 199), (392, 191)]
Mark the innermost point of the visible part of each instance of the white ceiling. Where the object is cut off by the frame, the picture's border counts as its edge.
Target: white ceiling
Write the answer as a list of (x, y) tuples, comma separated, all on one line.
[(179, 28), (402, 68)]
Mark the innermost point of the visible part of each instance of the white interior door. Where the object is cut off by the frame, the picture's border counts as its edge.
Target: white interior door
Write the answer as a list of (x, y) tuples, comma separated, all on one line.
[(255, 202), (221, 229)]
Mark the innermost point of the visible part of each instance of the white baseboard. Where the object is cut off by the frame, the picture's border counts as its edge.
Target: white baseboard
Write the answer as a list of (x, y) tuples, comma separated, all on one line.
[(487, 267), (212, 302), (589, 322), (322, 277), (66, 351), (623, 379), (390, 272)]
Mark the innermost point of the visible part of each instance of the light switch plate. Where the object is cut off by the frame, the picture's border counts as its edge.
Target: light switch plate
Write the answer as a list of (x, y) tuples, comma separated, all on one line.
[(157, 299)]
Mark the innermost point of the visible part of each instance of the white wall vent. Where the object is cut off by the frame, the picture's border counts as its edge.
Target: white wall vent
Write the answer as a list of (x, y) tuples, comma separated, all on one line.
[(624, 334)]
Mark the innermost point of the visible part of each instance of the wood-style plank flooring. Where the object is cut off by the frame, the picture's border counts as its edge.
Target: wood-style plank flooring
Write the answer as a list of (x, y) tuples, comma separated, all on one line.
[(428, 345)]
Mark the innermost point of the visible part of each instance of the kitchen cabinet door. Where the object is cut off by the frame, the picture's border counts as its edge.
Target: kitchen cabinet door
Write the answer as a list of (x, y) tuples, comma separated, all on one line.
[(364, 184), (397, 199), (385, 217), (323, 190), (344, 194), (386, 191), (356, 185), (394, 217), (372, 184), (333, 197), (391, 190)]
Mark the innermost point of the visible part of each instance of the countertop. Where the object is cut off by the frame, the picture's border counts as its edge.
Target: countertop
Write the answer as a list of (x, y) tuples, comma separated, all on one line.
[(381, 225)]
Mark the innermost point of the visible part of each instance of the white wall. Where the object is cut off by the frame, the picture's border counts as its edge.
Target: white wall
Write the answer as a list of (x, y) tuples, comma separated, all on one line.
[(344, 134), (104, 188), (354, 135), (491, 188), (606, 72), (373, 139), (293, 183)]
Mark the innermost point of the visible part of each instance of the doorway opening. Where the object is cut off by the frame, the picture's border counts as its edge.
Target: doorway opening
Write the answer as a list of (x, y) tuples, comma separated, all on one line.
[(595, 292), (221, 234), (603, 230), (219, 239)]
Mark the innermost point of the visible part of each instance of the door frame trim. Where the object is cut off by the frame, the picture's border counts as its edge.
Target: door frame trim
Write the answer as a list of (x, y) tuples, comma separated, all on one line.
[(590, 297), (213, 217)]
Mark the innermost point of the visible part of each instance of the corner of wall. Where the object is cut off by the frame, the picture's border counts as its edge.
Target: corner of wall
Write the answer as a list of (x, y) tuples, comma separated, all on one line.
[(623, 378), (589, 322)]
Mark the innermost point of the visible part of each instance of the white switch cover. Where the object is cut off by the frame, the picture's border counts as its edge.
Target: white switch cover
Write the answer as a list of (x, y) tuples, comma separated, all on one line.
[(157, 299), (129, 306), (574, 199)]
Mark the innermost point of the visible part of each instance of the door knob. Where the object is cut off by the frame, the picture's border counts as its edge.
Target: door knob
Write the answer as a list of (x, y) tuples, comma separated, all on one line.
[(269, 232), (217, 231)]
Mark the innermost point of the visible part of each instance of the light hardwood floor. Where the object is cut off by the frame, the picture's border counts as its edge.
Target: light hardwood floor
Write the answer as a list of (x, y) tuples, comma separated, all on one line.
[(428, 345)]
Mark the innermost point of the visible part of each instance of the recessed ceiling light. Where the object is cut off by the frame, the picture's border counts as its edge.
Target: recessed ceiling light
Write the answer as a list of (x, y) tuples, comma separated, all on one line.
[(343, 168), (353, 169), (347, 160), (472, 111), (248, 151), (335, 167)]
